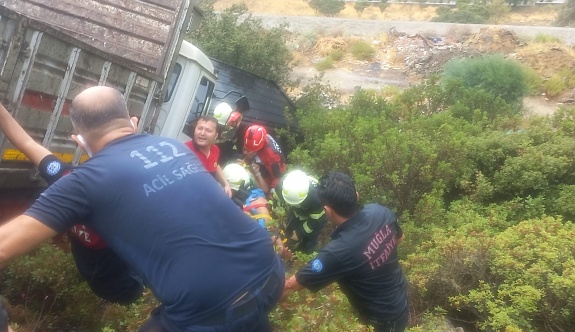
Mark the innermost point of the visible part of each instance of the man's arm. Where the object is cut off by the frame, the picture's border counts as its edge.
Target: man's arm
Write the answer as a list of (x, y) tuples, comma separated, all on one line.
[(223, 181), (21, 235), (291, 285), (20, 138)]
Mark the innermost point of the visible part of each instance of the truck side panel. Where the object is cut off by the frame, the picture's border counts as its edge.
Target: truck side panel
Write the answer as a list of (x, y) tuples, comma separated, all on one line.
[(143, 32), (42, 71)]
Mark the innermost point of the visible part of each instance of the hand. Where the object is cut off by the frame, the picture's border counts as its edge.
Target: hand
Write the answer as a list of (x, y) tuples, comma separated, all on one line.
[(228, 190), (294, 236), (255, 168)]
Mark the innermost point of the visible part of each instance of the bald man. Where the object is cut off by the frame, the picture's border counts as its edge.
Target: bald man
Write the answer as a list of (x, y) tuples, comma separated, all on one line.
[(211, 267)]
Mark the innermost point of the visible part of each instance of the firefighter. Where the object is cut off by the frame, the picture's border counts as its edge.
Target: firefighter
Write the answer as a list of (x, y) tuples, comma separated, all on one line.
[(305, 216), (252, 200), (265, 156)]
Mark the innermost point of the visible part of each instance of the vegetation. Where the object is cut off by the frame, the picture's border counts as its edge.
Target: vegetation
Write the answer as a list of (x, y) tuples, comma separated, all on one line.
[(500, 77), (362, 50), (484, 195), (543, 38), (235, 37), (566, 16), (360, 6), (327, 7), (325, 64), (464, 12)]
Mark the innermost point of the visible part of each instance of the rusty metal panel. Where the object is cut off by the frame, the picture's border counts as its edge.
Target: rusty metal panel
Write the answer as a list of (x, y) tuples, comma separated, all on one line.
[(141, 31)]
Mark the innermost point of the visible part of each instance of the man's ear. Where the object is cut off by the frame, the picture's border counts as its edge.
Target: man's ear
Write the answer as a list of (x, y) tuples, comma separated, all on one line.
[(82, 144), (134, 120), (328, 211), (357, 195)]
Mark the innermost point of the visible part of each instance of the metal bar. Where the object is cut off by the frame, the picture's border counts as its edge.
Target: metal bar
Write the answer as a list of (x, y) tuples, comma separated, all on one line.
[(147, 106), (103, 78), (62, 93), (130, 85), (26, 69), (77, 155), (9, 32), (104, 73), (12, 39)]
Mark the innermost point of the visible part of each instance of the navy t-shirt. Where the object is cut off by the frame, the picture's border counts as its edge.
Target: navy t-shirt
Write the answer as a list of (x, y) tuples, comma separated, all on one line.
[(154, 203), (362, 258)]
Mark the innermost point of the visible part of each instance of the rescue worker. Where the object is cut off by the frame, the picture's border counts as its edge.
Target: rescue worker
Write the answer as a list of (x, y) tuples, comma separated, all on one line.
[(229, 121), (305, 217), (252, 200), (265, 156), (106, 274), (210, 266), (361, 257)]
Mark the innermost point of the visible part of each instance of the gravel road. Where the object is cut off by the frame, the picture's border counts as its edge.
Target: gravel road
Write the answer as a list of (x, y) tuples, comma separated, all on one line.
[(361, 27)]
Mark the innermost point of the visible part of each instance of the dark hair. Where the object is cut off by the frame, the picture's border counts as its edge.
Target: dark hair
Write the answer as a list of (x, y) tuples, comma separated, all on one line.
[(3, 319), (208, 118), (91, 113), (337, 191)]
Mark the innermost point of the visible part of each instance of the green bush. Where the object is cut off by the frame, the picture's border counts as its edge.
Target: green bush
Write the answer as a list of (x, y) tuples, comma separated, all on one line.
[(554, 85), (533, 80), (362, 50), (543, 38), (336, 55), (324, 64), (327, 7), (474, 14), (499, 76), (532, 281)]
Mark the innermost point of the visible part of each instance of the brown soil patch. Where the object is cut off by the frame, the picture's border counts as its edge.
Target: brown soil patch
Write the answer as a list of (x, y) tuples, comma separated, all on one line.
[(492, 41), (547, 59)]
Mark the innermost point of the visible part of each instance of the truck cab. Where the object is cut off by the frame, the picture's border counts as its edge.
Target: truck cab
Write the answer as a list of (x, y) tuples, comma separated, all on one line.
[(188, 94)]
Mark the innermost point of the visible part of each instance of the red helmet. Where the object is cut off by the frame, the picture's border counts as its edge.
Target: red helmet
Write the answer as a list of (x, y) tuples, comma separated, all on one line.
[(255, 138)]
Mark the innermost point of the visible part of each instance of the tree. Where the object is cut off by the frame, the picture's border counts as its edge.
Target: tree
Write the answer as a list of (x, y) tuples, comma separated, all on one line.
[(236, 38), (567, 14), (327, 7), (360, 6)]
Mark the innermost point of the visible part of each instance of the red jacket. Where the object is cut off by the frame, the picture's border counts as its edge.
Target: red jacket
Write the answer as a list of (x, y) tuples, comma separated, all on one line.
[(273, 162)]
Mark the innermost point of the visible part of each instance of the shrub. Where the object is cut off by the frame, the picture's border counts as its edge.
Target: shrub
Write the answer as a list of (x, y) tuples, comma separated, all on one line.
[(533, 80), (499, 76), (543, 38), (325, 64), (554, 85), (531, 284), (362, 50), (336, 55)]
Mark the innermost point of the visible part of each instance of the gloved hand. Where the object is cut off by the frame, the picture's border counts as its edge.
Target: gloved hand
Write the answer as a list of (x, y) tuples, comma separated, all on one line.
[(241, 195)]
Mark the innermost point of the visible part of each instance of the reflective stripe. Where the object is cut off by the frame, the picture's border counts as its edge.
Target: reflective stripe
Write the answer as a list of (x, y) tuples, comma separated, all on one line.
[(306, 228), (316, 216)]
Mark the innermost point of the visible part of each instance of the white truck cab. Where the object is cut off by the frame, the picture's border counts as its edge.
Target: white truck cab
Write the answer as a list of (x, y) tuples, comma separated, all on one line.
[(190, 87)]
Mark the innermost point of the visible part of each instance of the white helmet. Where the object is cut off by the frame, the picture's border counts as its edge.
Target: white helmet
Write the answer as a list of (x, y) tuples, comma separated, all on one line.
[(222, 113), (295, 187), (236, 174)]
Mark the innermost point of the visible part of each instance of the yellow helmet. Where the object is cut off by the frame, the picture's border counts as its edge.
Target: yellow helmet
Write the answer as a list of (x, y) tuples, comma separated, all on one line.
[(295, 187), (236, 175)]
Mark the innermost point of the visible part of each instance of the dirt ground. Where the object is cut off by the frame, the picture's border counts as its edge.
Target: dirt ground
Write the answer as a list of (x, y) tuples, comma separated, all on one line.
[(402, 59)]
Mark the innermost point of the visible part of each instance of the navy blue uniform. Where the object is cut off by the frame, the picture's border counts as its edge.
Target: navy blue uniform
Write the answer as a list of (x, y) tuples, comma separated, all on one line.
[(362, 259), (156, 206), (106, 274)]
